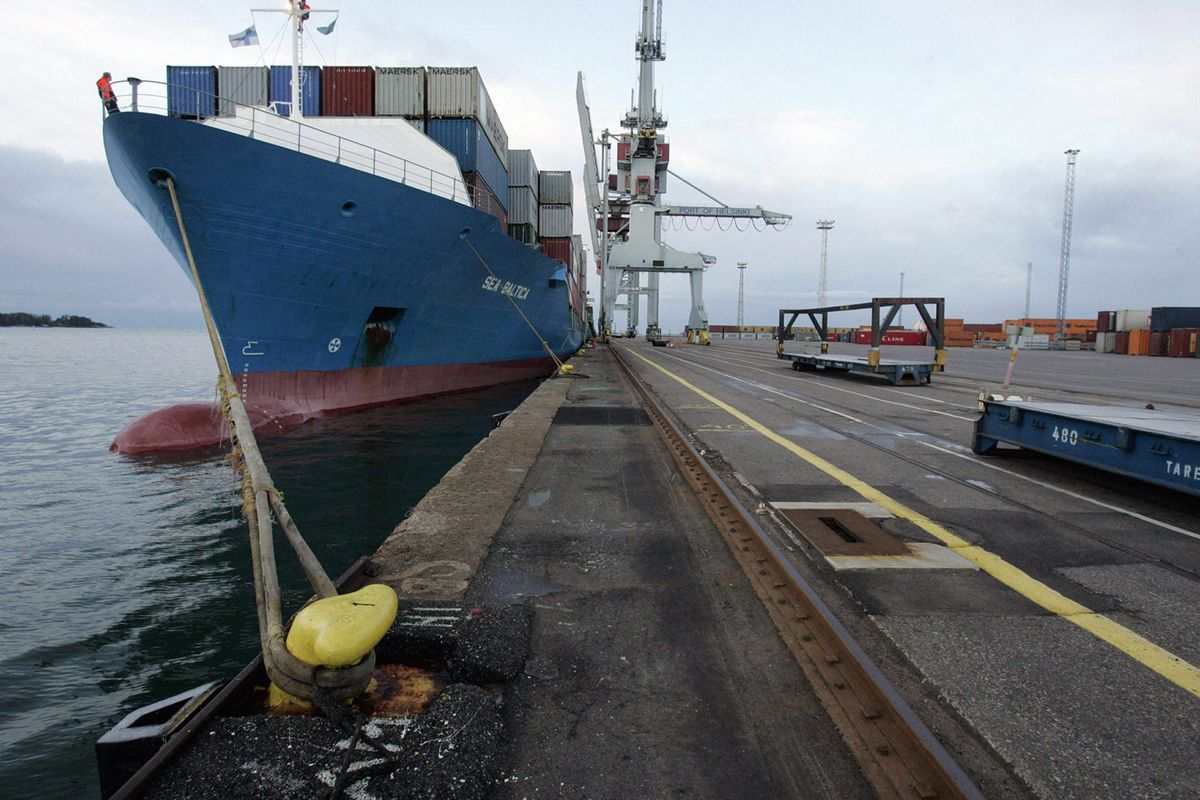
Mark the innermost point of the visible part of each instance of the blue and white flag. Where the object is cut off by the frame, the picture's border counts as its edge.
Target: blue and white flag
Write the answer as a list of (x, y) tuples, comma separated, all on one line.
[(246, 37), (328, 29)]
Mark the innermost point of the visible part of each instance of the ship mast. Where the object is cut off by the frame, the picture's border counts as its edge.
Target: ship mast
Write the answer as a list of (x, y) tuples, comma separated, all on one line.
[(295, 20), (297, 11)]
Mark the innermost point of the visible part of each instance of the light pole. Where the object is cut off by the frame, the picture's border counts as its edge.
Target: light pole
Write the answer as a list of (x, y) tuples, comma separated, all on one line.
[(741, 294)]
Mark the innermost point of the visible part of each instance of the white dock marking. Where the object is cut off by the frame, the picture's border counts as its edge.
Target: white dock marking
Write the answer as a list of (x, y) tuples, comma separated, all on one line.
[(866, 509), (1068, 492), (921, 555)]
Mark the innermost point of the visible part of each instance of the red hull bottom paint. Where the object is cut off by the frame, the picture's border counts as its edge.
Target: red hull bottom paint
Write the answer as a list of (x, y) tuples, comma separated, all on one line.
[(278, 401)]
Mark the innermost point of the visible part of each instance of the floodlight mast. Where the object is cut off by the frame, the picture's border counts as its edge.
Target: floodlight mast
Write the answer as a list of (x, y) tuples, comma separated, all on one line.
[(1064, 256), (741, 294), (824, 226)]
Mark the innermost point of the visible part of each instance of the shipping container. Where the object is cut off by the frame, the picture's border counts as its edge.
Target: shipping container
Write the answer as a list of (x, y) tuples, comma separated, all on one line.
[(556, 247), (1131, 319), (912, 338), (459, 92), (522, 206), (1182, 342), (1158, 343), (522, 170), (1120, 342), (419, 124), (310, 91), (555, 188), (400, 92), (244, 86), (526, 234), (348, 92), (467, 142), (1103, 340), (1139, 342), (192, 92), (484, 200), (555, 220), (1167, 318), (1106, 321)]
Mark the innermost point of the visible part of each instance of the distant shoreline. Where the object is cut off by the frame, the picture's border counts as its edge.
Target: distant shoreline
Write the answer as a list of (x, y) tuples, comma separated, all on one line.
[(21, 319)]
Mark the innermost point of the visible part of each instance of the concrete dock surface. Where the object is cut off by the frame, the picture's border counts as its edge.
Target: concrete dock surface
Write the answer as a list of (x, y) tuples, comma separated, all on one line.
[(599, 639)]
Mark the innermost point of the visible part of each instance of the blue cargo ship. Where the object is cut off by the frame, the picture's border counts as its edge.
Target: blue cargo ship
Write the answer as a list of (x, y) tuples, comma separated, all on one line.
[(347, 262)]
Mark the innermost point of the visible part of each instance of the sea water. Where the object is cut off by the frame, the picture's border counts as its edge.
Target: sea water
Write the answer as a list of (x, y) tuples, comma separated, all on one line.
[(127, 579)]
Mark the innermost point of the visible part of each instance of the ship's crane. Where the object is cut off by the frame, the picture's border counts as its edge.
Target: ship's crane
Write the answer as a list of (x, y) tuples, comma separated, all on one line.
[(628, 206)]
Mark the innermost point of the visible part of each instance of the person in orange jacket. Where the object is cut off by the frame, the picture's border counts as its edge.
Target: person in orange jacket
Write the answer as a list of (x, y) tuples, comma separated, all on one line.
[(104, 86)]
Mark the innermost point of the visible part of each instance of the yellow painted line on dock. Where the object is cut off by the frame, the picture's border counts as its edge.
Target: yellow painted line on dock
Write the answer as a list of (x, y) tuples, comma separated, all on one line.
[(1132, 644)]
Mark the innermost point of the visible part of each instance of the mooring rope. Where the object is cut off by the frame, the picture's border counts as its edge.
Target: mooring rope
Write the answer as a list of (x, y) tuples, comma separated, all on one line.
[(563, 369), (259, 499)]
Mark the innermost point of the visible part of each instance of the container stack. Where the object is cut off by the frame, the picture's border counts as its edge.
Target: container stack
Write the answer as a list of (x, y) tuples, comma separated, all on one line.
[(1179, 326), (242, 86), (956, 333), (280, 91), (556, 215), (348, 92), (462, 119), (400, 92), (1081, 329), (578, 271), (1128, 332), (522, 196)]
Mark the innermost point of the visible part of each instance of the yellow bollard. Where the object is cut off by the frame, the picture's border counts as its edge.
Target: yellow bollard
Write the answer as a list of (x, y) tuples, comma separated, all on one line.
[(338, 631)]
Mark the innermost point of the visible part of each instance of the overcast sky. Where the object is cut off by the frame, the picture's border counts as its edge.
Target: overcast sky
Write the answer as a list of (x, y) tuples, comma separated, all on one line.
[(933, 133)]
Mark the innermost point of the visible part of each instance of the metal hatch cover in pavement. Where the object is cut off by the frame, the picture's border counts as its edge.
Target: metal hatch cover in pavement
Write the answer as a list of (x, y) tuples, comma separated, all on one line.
[(843, 532)]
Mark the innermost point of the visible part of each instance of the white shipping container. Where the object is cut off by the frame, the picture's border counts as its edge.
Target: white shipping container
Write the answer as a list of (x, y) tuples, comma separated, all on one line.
[(554, 188), (459, 92), (400, 91), (245, 86), (555, 221), (1133, 319), (522, 170), (522, 206)]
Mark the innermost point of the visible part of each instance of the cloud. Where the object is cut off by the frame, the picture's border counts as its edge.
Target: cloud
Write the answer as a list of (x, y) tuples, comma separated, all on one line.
[(72, 245)]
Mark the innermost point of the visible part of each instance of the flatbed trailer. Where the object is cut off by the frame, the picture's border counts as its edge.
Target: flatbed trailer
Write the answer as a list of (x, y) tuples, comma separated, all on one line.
[(900, 373), (1156, 445), (883, 313)]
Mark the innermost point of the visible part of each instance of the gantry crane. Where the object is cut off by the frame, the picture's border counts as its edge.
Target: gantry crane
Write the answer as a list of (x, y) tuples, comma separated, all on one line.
[(628, 207)]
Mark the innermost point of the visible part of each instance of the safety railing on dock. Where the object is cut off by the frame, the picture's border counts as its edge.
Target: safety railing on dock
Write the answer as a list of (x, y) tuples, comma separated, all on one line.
[(265, 125)]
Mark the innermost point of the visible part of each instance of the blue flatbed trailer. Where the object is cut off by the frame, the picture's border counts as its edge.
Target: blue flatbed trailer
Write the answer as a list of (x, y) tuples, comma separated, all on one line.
[(898, 372), (1159, 446)]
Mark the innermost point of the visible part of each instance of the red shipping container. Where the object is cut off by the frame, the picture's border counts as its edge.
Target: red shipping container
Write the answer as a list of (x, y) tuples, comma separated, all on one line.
[(1158, 343), (483, 199), (911, 338), (557, 247), (1182, 342), (1122, 342), (348, 92)]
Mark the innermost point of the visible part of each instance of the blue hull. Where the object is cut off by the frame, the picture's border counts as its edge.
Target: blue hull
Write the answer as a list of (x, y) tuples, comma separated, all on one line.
[(332, 288)]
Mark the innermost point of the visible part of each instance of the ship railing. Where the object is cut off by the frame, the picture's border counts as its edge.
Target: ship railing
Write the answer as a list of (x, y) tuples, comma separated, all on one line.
[(265, 125)]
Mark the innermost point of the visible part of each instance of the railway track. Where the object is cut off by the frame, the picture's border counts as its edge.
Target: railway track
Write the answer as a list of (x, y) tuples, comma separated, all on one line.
[(898, 754)]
